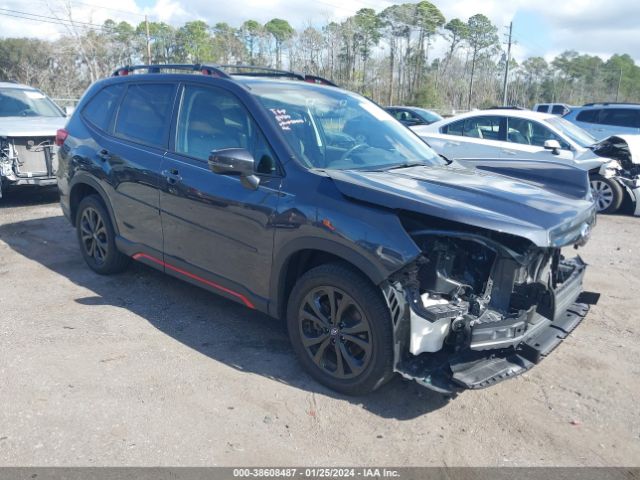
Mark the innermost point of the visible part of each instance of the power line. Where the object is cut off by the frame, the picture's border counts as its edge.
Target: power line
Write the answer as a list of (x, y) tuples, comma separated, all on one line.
[(48, 19)]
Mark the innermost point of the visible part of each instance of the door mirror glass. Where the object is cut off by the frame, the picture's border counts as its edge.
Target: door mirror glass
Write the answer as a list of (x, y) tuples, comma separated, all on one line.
[(235, 161)]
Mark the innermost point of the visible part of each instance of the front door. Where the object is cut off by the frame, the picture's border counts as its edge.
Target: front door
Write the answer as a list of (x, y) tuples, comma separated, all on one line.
[(217, 232)]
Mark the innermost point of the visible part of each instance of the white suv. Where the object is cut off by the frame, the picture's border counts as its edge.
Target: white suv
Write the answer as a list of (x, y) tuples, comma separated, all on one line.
[(605, 119)]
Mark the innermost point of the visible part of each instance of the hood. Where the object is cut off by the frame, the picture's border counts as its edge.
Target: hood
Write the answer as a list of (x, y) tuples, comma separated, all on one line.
[(493, 202), (30, 126), (624, 148)]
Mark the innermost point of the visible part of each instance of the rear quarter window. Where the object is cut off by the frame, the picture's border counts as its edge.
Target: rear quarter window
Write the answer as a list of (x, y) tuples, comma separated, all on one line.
[(100, 108), (145, 113)]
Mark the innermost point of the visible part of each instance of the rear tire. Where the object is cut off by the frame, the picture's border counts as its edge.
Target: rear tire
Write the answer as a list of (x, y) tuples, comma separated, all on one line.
[(340, 329), (96, 237), (607, 193)]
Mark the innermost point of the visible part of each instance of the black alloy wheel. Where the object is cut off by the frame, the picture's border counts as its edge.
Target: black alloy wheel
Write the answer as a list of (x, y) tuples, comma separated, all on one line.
[(335, 332), (96, 237), (340, 328)]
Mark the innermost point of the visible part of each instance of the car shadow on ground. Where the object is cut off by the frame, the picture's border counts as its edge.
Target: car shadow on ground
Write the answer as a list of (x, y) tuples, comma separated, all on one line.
[(218, 328), (26, 196)]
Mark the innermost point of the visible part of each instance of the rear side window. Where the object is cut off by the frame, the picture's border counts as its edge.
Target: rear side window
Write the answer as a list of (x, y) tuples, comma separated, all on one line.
[(620, 117), (588, 116), (100, 108), (542, 108), (145, 114), (487, 128)]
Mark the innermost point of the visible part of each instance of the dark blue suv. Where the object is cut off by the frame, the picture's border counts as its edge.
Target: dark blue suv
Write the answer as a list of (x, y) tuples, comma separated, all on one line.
[(310, 203)]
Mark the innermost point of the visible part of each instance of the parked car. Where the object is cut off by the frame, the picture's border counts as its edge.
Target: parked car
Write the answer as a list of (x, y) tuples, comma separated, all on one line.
[(28, 124), (381, 256), (553, 108), (517, 135), (411, 116), (605, 119)]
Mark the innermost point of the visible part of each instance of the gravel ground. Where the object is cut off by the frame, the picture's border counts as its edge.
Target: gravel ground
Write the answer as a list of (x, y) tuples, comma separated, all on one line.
[(142, 369)]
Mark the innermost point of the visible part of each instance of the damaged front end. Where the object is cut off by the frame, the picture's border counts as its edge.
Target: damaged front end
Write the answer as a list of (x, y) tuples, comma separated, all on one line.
[(624, 150), (27, 161), (477, 307)]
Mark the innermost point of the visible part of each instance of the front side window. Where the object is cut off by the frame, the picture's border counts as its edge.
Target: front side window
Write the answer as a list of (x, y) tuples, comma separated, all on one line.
[(328, 128), (145, 113), (211, 119), (100, 108), (19, 102), (528, 132), (408, 116)]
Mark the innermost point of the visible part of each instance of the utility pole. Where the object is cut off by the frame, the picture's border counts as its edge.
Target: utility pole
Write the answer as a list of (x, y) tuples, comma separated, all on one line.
[(506, 67), (619, 85), (146, 22)]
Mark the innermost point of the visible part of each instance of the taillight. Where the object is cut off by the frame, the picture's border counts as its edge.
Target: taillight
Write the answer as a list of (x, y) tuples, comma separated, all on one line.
[(61, 136)]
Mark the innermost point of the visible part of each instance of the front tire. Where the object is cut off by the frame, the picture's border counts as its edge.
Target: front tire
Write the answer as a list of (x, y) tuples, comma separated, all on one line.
[(607, 193), (340, 329), (96, 237)]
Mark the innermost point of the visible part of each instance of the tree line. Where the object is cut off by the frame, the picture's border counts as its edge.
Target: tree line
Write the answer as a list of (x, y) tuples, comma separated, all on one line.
[(386, 55)]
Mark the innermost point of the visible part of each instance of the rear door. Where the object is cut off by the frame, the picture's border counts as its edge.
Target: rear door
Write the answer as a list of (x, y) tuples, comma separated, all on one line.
[(217, 232), (473, 137), (134, 156)]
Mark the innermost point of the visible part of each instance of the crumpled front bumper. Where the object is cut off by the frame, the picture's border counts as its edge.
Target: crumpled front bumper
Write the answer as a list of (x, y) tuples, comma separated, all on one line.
[(450, 373)]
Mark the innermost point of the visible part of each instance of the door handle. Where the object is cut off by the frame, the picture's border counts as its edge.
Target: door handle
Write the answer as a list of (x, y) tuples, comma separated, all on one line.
[(508, 152), (452, 144), (104, 155), (172, 175)]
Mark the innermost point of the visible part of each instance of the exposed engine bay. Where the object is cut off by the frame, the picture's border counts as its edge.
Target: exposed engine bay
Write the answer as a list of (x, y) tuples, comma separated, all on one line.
[(27, 161), (478, 305)]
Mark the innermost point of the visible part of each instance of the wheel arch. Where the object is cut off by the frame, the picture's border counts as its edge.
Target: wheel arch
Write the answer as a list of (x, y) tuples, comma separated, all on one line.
[(83, 186), (300, 256)]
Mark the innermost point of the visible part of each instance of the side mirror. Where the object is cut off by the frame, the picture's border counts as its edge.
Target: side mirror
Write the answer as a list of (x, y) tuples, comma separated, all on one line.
[(235, 161), (552, 145), (68, 111)]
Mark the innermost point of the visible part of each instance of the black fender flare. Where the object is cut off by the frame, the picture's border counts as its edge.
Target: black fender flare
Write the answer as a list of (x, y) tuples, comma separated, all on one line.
[(375, 273), (81, 178)]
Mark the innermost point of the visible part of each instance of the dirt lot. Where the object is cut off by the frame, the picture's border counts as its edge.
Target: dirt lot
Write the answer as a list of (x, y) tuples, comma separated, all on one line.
[(142, 369)]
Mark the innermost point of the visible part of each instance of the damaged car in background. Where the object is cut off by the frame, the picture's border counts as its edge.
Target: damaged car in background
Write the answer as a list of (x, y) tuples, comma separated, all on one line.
[(28, 124), (313, 204), (512, 135)]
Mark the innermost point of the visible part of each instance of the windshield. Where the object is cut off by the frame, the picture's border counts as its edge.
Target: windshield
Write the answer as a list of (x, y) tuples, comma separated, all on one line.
[(332, 129), (16, 102), (575, 133), (428, 115)]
